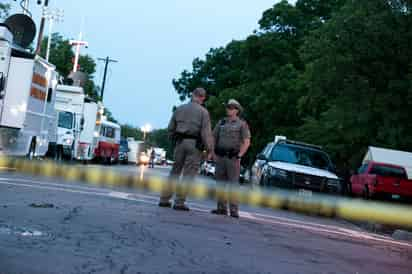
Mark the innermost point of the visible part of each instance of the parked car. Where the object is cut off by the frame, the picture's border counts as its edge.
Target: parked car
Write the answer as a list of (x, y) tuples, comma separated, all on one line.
[(208, 168), (143, 159), (244, 175), (123, 152), (375, 179), (296, 165)]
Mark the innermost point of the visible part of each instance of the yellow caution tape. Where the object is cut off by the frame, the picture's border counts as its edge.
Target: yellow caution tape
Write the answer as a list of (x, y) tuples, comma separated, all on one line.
[(318, 204)]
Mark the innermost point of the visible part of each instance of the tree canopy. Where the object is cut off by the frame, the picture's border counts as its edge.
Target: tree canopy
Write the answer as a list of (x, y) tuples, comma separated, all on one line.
[(4, 10), (61, 55), (335, 73)]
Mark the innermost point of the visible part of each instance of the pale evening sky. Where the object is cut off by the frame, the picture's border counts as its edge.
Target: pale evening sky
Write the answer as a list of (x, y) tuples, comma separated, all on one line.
[(153, 41)]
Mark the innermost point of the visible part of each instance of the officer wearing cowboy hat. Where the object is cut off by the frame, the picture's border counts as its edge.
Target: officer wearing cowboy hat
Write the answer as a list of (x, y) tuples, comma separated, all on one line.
[(232, 140)]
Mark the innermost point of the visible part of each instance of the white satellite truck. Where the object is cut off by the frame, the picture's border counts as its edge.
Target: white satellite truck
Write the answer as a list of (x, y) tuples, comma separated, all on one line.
[(69, 107), (77, 123), (27, 96)]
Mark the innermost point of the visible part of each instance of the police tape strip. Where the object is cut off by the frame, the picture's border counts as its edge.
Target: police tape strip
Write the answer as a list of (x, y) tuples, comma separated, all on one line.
[(318, 204)]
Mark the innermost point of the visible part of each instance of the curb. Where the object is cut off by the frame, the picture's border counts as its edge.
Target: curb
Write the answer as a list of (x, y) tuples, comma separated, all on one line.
[(402, 235)]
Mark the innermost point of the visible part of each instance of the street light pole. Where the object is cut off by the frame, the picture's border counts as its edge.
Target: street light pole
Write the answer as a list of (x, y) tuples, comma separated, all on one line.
[(52, 16)]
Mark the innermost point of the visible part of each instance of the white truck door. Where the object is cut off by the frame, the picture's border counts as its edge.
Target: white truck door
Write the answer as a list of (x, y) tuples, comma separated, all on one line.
[(17, 92)]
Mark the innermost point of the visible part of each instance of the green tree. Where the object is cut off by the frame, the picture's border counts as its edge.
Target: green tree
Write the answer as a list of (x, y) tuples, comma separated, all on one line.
[(335, 73), (131, 131), (4, 10), (61, 53), (358, 80), (109, 116)]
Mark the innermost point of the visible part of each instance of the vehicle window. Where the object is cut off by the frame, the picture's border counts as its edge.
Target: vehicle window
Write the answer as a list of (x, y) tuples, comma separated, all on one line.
[(388, 171), (109, 132), (268, 150), (363, 169), (65, 120), (301, 156)]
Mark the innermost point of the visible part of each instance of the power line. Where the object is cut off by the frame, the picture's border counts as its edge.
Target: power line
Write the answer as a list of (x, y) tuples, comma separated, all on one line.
[(107, 61)]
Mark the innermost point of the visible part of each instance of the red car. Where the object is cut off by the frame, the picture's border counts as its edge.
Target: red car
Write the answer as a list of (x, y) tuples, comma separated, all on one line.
[(378, 179)]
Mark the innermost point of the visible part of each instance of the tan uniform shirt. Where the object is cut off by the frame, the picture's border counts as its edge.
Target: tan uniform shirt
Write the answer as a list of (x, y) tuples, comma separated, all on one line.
[(230, 134), (192, 119)]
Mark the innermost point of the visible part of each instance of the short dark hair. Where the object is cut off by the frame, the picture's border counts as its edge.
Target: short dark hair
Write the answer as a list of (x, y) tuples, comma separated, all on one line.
[(199, 92)]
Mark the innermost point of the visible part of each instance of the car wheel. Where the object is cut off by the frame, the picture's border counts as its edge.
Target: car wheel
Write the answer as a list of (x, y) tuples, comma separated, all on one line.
[(263, 181), (365, 193)]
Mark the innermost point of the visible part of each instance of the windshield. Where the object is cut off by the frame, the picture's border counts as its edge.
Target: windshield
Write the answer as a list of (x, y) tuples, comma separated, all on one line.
[(388, 171), (65, 120), (301, 156), (123, 146)]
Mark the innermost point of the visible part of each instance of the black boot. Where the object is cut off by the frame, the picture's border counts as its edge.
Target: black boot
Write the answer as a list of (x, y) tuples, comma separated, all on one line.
[(165, 204), (234, 214), (181, 208), (219, 212)]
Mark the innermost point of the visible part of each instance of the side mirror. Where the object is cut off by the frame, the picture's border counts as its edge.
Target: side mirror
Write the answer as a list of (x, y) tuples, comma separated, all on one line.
[(262, 157)]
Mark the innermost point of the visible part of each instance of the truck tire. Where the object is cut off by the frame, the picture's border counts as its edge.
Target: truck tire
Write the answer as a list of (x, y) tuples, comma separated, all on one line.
[(365, 193), (32, 150), (59, 153)]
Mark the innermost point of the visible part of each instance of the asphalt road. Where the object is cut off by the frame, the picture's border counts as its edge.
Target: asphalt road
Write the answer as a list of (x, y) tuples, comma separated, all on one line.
[(49, 226)]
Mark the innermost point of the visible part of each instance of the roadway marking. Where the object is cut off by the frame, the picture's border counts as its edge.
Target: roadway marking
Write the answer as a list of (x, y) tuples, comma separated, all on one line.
[(262, 218)]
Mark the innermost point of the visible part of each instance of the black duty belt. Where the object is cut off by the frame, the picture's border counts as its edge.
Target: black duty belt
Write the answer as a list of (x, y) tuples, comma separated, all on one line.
[(229, 153), (183, 136)]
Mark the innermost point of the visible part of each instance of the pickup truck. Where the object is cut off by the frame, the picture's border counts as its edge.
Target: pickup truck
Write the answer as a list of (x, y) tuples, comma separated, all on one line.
[(375, 179)]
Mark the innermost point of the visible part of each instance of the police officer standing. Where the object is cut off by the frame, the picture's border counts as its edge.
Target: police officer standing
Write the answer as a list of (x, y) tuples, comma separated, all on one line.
[(232, 140), (191, 132)]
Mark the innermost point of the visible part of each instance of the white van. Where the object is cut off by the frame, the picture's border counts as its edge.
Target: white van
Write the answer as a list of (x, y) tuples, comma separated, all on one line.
[(27, 98), (135, 150)]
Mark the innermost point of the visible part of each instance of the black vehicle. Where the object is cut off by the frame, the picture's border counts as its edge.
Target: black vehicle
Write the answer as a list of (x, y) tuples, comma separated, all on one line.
[(290, 164), (123, 152)]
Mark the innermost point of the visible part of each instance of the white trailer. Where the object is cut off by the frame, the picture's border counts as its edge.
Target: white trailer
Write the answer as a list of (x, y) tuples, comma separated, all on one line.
[(27, 98), (390, 156), (70, 107)]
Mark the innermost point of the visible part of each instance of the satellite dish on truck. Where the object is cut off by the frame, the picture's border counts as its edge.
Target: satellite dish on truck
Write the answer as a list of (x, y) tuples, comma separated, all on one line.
[(23, 29)]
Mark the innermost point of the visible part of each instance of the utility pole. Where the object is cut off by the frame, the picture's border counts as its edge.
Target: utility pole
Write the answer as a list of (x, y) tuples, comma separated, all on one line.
[(107, 61), (42, 22)]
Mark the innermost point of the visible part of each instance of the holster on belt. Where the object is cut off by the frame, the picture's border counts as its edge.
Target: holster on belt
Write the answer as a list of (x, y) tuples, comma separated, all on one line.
[(179, 137)]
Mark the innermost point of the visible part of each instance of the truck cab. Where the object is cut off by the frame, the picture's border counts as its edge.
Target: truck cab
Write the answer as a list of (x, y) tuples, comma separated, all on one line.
[(375, 179), (295, 165), (70, 108)]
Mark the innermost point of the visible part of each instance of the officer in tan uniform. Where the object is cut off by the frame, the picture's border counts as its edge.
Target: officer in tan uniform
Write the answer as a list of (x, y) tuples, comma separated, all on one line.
[(190, 130), (232, 140)]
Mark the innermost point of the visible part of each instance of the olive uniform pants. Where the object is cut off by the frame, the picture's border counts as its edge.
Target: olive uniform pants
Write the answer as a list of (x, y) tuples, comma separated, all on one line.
[(227, 177), (187, 163)]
